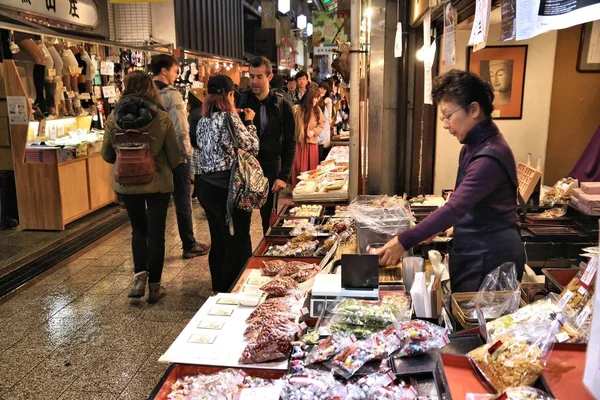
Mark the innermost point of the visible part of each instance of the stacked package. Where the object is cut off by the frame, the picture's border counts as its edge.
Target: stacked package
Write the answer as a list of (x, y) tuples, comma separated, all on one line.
[(587, 199)]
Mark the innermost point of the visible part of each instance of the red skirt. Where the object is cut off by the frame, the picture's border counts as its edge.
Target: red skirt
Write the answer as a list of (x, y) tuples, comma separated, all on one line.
[(307, 158)]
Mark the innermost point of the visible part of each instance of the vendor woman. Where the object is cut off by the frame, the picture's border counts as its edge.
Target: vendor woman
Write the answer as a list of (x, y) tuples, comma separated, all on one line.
[(482, 209)]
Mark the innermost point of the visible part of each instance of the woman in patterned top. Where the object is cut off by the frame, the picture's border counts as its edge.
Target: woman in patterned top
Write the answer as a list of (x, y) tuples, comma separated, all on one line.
[(228, 253)]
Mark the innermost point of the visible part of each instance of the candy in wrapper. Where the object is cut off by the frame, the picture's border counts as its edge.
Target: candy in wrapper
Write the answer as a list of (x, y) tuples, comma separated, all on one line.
[(352, 358), (419, 337), (312, 385), (328, 347)]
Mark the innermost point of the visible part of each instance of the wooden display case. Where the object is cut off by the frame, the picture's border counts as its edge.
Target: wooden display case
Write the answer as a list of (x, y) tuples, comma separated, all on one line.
[(50, 192)]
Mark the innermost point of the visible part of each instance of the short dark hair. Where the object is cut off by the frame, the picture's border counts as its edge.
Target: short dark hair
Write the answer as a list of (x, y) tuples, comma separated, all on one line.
[(277, 82), (259, 61), (161, 61), (463, 88), (301, 74)]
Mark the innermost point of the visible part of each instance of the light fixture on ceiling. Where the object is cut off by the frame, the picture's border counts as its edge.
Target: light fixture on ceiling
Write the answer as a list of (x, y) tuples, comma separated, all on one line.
[(12, 45), (301, 21), (309, 1), (283, 6), (309, 29)]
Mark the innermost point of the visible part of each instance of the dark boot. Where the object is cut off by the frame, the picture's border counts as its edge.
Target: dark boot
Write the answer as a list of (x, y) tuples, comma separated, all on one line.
[(139, 285), (156, 292)]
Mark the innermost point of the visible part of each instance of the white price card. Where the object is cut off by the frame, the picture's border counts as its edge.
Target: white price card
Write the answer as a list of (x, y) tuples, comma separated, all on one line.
[(17, 110), (109, 92), (107, 68)]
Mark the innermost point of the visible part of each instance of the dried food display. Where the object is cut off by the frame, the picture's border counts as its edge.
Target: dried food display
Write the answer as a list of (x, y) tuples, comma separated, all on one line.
[(306, 210), (312, 385), (280, 286), (271, 342), (293, 249), (272, 267), (329, 347), (360, 312)]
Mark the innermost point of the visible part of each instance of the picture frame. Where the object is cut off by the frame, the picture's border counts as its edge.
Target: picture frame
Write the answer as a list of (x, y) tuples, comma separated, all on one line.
[(504, 68), (584, 64)]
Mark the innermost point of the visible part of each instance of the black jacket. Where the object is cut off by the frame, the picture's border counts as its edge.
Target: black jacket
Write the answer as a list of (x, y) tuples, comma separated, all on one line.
[(278, 142), (193, 120)]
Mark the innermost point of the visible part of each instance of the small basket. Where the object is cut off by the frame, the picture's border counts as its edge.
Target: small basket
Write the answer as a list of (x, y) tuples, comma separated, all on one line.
[(465, 321)]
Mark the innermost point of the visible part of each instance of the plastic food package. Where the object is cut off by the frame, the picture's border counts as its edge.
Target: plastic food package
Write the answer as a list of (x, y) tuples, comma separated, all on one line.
[(419, 336), (560, 192), (313, 385), (499, 294), (379, 387), (514, 393), (359, 312), (299, 271), (289, 306), (256, 325), (517, 357), (328, 348), (553, 213), (306, 210), (272, 342), (401, 303), (281, 286), (220, 386), (305, 248), (581, 288), (272, 267), (352, 358), (358, 331)]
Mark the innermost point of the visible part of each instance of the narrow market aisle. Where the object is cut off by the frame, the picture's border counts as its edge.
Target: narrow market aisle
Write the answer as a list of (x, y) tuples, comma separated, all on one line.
[(74, 334)]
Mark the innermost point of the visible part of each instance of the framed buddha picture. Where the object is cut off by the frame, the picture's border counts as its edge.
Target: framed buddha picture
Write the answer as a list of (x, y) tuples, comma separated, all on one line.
[(504, 68)]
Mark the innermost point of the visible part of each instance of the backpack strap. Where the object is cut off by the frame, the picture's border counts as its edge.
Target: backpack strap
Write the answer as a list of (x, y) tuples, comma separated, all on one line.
[(279, 101)]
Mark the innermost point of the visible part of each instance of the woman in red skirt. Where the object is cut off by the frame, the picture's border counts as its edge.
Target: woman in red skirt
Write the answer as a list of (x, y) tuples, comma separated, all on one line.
[(309, 124)]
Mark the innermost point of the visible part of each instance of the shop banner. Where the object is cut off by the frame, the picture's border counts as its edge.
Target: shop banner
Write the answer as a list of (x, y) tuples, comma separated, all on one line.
[(268, 18), (481, 24), (286, 27), (328, 28), (449, 56), (77, 12), (508, 20), (398, 42)]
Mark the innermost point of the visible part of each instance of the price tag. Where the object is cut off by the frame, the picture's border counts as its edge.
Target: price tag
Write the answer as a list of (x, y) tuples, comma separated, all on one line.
[(109, 92), (304, 311), (582, 290), (70, 94), (589, 272), (85, 96), (562, 337), (218, 325), (222, 312), (107, 68), (583, 316), (51, 72), (229, 302), (565, 299), (202, 339)]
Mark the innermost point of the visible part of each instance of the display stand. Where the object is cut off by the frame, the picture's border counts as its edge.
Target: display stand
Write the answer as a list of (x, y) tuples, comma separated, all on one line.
[(51, 195)]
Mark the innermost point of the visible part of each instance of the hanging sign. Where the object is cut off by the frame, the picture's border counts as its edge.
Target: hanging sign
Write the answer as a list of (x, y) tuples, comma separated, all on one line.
[(328, 28), (398, 41), (509, 12), (449, 56), (76, 12), (286, 27), (268, 17), (481, 24)]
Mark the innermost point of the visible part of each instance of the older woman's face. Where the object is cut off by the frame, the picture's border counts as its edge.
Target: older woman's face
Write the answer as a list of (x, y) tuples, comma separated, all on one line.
[(458, 120)]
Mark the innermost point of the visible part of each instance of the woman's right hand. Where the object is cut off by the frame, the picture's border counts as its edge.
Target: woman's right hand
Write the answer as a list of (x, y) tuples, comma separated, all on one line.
[(249, 114)]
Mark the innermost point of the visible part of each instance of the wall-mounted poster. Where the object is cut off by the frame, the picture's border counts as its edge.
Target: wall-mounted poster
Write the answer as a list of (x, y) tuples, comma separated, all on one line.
[(504, 68), (588, 59)]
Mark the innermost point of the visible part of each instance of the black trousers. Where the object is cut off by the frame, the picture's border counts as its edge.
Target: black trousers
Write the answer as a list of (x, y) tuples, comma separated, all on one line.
[(228, 254), (182, 195), (148, 216), (265, 210)]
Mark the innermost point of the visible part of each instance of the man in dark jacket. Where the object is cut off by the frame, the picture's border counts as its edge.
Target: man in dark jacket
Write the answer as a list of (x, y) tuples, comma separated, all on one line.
[(275, 123)]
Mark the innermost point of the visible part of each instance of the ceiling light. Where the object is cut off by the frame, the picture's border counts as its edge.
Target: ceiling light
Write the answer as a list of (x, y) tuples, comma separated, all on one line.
[(309, 1), (309, 29), (12, 45), (283, 6), (301, 21)]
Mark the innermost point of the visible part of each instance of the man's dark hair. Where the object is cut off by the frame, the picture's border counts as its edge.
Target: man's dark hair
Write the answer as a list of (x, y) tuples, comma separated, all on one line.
[(277, 82), (259, 61), (463, 88), (161, 61), (301, 74)]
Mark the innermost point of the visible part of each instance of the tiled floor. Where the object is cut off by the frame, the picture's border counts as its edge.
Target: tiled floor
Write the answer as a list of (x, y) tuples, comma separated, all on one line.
[(74, 334)]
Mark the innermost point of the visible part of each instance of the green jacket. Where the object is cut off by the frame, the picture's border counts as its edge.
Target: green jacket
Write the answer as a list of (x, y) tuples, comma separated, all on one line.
[(137, 113)]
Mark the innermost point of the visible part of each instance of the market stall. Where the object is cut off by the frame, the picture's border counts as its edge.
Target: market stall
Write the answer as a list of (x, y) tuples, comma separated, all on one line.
[(312, 316), (328, 182)]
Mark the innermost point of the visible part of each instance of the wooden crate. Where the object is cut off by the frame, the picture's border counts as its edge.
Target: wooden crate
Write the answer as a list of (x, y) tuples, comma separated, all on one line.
[(465, 321), (528, 178)]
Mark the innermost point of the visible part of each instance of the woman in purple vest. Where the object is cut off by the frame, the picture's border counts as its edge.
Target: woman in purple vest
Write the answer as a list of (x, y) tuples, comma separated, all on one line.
[(483, 208)]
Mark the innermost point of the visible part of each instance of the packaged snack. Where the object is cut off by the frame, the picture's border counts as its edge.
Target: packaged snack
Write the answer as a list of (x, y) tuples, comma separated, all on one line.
[(401, 304), (299, 271), (358, 331), (517, 357), (272, 342), (255, 325), (581, 288), (272, 267), (419, 336), (306, 210), (289, 306), (280, 286), (352, 358), (514, 393), (329, 347), (311, 337), (312, 385), (298, 248), (359, 312)]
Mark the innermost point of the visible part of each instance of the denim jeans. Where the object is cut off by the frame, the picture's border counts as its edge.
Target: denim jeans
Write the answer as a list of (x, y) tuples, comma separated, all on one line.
[(148, 216), (182, 195)]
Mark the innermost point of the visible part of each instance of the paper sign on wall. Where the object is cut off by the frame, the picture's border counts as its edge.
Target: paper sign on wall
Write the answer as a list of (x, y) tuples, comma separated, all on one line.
[(107, 68), (449, 56), (509, 12), (17, 110), (481, 24), (109, 92), (398, 43), (428, 79)]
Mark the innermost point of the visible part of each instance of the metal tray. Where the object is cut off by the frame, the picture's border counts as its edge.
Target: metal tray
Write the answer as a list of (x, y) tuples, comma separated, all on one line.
[(425, 373), (558, 278), (553, 230)]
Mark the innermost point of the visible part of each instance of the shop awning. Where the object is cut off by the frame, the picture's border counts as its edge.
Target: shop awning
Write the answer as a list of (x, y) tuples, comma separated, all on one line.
[(18, 23)]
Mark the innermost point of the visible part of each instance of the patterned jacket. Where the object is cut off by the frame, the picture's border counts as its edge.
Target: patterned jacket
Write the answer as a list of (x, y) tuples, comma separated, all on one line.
[(216, 151)]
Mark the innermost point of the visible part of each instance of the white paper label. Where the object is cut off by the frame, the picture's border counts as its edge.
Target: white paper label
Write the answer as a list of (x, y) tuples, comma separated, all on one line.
[(398, 42), (85, 96), (17, 110), (107, 68), (582, 291), (583, 316), (589, 272), (109, 91), (51, 72), (565, 299), (562, 337)]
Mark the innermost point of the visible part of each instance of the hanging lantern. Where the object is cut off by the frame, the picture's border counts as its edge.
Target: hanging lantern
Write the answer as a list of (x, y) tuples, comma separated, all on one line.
[(301, 21), (283, 6), (309, 29)]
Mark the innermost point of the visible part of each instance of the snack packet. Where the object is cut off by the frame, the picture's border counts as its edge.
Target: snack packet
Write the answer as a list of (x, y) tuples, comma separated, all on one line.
[(272, 267), (419, 336), (352, 358), (280, 286), (517, 357), (312, 385), (256, 324), (272, 342), (359, 312), (514, 393), (329, 347)]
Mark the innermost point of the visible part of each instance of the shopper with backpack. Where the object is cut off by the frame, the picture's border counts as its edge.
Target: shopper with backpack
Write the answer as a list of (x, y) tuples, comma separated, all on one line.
[(274, 121), (219, 132), (140, 141)]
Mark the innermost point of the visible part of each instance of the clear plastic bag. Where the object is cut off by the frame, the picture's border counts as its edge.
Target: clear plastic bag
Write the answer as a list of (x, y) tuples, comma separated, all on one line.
[(499, 294), (272, 267), (272, 342), (280, 286), (328, 348), (517, 357), (290, 307), (313, 385), (514, 393), (419, 336), (299, 271), (560, 192), (255, 325), (352, 358), (359, 312)]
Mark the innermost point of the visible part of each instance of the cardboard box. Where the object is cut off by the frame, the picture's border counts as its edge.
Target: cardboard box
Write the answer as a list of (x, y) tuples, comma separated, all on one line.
[(586, 200), (4, 133), (3, 109), (6, 159), (590, 187)]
